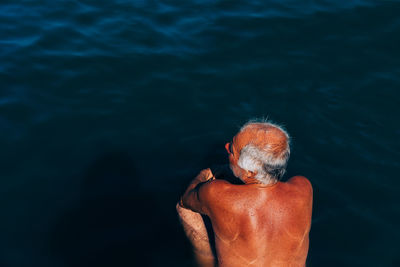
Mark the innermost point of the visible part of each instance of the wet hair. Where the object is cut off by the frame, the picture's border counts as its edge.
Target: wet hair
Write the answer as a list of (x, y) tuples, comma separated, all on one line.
[(268, 158)]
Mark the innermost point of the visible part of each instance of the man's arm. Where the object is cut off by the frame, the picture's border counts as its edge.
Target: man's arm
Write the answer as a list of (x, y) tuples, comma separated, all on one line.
[(196, 231), (191, 198)]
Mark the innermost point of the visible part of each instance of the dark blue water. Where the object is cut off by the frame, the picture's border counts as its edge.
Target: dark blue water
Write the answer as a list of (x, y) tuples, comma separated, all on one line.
[(109, 108)]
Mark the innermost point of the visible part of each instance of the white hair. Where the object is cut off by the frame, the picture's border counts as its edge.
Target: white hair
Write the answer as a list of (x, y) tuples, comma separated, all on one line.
[(269, 167)]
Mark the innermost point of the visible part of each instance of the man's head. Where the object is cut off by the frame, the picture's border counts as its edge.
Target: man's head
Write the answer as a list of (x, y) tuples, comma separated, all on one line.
[(259, 151)]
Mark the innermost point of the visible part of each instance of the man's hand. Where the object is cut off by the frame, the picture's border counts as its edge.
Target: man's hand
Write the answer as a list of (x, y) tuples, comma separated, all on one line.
[(205, 175), (221, 171)]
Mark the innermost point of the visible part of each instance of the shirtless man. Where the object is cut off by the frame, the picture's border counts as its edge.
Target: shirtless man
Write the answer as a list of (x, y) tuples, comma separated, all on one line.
[(261, 222)]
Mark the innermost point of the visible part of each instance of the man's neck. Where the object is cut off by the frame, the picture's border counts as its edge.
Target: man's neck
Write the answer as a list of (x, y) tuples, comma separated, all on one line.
[(253, 181)]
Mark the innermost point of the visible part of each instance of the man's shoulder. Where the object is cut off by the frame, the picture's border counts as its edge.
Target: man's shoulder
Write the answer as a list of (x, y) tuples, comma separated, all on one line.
[(301, 183), (216, 191), (212, 187)]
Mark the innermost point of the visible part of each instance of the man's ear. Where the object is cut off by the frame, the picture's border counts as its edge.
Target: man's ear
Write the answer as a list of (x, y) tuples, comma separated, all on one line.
[(251, 174)]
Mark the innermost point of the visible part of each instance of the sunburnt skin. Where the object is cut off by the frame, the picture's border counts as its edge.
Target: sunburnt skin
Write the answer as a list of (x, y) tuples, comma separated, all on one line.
[(254, 224)]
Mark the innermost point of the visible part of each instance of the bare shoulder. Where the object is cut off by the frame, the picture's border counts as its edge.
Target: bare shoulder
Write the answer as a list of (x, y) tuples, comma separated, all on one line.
[(213, 189), (301, 183)]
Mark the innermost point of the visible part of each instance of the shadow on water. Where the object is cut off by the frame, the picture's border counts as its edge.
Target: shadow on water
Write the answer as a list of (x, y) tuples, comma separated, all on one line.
[(117, 223)]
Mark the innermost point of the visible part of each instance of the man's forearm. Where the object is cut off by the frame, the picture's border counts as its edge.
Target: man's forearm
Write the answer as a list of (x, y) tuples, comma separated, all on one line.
[(193, 184), (191, 191), (197, 234), (197, 180)]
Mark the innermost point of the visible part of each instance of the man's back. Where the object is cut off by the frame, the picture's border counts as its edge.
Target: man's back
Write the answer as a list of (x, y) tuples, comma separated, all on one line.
[(260, 225)]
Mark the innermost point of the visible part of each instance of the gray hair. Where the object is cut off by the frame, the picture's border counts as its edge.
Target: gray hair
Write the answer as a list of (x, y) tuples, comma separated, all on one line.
[(270, 168)]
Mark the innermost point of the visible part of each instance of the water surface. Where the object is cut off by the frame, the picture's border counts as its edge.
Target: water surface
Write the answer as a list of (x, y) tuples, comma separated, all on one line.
[(109, 108)]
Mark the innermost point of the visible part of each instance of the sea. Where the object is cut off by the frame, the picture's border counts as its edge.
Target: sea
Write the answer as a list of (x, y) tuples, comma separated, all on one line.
[(108, 109)]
